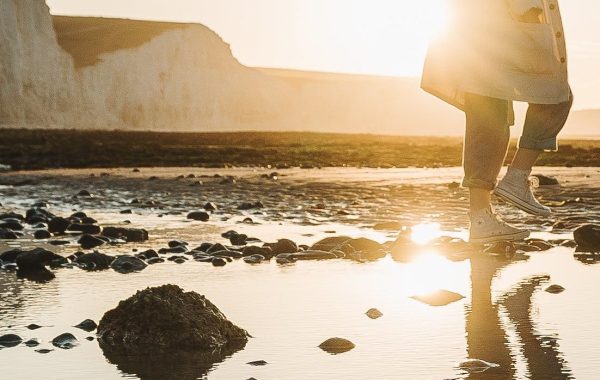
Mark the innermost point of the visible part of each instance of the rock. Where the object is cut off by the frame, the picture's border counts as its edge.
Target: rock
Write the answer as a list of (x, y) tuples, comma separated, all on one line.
[(127, 264), (35, 260), (167, 319), (453, 185), (439, 298), (238, 239), (32, 343), (257, 363), (254, 259), (10, 340), (33, 326), (284, 246), (252, 250), (58, 225), (541, 244), (545, 180), (95, 261), (91, 229), (59, 262), (90, 338), (42, 234), (89, 242), (10, 256), (126, 211), (147, 254), (310, 255), (65, 341), (363, 249), (374, 313), (87, 325), (155, 260), (43, 351), (11, 215), (84, 193), (11, 224), (178, 249), (204, 247), (218, 262), (216, 248), (199, 215), (6, 234), (476, 365), (587, 238), (555, 289), (330, 243), (130, 235), (227, 254), (210, 206), (177, 243), (250, 206), (388, 226), (336, 346)]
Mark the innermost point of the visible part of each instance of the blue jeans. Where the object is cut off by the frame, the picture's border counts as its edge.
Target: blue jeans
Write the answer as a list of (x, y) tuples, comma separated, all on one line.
[(488, 133)]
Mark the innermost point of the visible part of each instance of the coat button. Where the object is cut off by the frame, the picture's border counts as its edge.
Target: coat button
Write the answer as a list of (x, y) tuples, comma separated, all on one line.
[(563, 60), (552, 6), (559, 34)]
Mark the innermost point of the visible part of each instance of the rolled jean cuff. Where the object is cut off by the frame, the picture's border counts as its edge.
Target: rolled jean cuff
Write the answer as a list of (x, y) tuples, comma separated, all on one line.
[(545, 145), (479, 183)]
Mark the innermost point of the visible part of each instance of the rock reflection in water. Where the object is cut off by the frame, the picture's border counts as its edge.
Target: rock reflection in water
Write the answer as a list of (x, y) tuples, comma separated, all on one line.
[(181, 365), (487, 336)]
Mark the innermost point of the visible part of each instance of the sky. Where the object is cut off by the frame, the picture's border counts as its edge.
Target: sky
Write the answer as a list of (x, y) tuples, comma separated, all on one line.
[(379, 37)]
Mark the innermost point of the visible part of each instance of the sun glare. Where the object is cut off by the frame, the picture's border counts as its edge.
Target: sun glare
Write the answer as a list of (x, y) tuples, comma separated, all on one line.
[(425, 232)]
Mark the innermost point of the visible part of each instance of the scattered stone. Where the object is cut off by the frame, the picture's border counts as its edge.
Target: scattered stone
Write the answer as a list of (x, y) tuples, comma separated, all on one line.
[(128, 264), (10, 340), (11, 224), (88, 241), (250, 206), (87, 325), (33, 326), (252, 250), (166, 319), (218, 247), (94, 261), (330, 243), (374, 313), (90, 229), (90, 338), (84, 193), (58, 225), (283, 246), (587, 238), (254, 259), (148, 254), (32, 343), (178, 249), (218, 262), (6, 234), (210, 206), (199, 215), (35, 260), (42, 234), (545, 180), (555, 289), (130, 235), (65, 341), (155, 260), (43, 351), (257, 363), (438, 298), (238, 239), (336, 346)]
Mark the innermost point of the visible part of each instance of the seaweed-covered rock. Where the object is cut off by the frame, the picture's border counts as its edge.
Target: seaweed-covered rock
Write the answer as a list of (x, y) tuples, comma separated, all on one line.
[(167, 319)]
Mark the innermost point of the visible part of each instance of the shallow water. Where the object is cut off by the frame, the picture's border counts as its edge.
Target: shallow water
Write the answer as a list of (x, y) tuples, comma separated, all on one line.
[(291, 309)]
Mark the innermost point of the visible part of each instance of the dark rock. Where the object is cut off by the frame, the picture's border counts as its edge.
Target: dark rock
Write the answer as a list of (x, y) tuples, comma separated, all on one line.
[(251, 250), (58, 225), (203, 247), (227, 254), (199, 215), (78, 215), (330, 243), (229, 234), (248, 221), (11, 215), (43, 351), (336, 346), (11, 224), (254, 259), (10, 340), (6, 234), (283, 246), (545, 180), (59, 262), (95, 261), (91, 229), (130, 235), (65, 341), (84, 193), (42, 234), (33, 326), (10, 256), (89, 242), (555, 289), (59, 242), (87, 325), (218, 262), (126, 212), (148, 254), (210, 206), (258, 363), (178, 249), (238, 239), (177, 243), (216, 248), (127, 264), (90, 338), (155, 260), (35, 259), (32, 343), (250, 206), (166, 319), (587, 238)]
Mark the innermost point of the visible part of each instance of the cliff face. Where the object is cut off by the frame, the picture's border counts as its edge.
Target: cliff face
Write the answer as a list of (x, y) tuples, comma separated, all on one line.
[(83, 72), (38, 86)]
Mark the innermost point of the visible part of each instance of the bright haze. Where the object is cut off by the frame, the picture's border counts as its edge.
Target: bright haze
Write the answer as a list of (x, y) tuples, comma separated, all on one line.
[(374, 37)]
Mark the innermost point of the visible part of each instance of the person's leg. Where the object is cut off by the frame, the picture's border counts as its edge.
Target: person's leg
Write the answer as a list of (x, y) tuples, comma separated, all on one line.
[(542, 125), (485, 146)]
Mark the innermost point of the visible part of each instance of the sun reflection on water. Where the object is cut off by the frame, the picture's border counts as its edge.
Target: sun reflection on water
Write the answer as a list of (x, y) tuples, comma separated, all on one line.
[(425, 232)]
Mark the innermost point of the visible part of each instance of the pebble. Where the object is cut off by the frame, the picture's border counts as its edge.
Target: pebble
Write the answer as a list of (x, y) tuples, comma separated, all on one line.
[(374, 313), (65, 341), (10, 340), (337, 345), (218, 262), (87, 325), (199, 216), (555, 289), (257, 363)]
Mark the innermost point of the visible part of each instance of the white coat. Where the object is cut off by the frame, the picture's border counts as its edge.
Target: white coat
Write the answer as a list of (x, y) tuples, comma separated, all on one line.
[(492, 49)]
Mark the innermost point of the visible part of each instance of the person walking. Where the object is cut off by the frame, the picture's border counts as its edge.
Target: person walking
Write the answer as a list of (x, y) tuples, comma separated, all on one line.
[(496, 52)]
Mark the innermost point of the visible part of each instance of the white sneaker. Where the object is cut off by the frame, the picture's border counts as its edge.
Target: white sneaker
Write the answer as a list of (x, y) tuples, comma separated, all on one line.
[(487, 227), (515, 189)]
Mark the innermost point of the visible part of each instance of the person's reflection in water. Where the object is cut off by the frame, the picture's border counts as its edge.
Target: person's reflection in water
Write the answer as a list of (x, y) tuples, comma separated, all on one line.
[(486, 337)]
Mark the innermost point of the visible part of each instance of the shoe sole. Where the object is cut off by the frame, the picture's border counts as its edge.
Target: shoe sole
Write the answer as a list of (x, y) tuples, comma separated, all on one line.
[(509, 237), (508, 197)]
